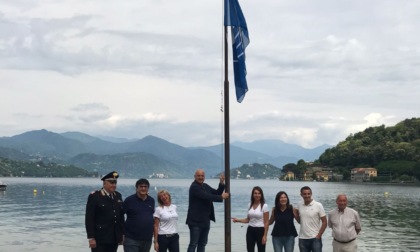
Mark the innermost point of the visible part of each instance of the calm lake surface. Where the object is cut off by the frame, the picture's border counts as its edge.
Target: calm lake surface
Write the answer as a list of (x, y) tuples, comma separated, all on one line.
[(53, 219)]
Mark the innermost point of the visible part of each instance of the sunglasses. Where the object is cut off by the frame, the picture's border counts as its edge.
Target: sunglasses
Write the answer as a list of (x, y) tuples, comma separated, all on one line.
[(112, 181)]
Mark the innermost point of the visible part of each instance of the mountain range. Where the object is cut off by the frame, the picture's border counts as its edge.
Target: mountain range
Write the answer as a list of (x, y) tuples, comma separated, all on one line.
[(143, 157)]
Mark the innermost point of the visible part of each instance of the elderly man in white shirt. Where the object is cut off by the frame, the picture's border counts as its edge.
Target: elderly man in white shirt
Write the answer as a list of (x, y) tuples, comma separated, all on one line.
[(345, 224)]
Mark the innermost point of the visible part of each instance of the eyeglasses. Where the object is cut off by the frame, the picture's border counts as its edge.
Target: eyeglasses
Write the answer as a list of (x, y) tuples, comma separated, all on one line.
[(112, 181), (143, 186)]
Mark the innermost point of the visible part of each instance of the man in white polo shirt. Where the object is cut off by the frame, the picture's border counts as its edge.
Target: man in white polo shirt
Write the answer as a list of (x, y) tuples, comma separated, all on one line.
[(313, 222), (345, 224)]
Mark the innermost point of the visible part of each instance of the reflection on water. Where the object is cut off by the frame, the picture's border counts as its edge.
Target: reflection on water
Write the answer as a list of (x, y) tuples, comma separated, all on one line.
[(395, 217), (53, 218)]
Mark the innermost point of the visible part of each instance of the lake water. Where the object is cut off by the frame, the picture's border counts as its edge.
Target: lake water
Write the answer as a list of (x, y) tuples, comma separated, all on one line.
[(53, 219)]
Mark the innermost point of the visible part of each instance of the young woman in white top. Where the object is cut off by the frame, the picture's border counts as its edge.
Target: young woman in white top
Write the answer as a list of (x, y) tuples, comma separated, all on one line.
[(166, 217), (257, 220)]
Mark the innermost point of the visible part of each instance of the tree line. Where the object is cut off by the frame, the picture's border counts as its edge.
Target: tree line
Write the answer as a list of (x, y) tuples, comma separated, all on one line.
[(13, 168), (393, 151)]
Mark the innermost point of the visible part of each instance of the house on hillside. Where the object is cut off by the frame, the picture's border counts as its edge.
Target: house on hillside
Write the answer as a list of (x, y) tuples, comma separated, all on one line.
[(307, 175), (317, 173), (363, 174), (323, 175), (289, 176)]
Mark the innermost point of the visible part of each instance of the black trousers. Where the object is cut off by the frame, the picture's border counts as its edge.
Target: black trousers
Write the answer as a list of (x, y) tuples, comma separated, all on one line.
[(254, 235), (168, 243), (106, 248)]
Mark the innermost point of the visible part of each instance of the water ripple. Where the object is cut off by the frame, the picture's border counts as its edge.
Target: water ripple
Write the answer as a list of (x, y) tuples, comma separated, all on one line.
[(53, 219)]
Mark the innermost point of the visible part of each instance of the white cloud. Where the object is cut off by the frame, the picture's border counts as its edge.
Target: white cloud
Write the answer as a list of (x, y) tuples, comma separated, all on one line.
[(317, 71), (371, 120)]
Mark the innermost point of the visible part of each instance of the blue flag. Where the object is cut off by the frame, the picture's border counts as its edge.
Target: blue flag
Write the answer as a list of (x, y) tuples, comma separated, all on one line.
[(240, 40)]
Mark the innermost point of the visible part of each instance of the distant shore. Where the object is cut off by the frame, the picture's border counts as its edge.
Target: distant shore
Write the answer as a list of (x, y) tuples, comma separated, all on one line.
[(388, 183)]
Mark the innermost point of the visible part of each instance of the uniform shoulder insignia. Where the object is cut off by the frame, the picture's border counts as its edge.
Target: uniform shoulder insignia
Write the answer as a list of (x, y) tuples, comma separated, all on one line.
[(93, 192)]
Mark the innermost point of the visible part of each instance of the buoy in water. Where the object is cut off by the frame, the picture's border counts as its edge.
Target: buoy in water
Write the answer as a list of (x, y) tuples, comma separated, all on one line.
[(35, 191)]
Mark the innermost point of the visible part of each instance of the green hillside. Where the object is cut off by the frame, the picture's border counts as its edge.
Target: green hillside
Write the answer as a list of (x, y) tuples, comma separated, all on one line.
[(256, 171), (132, 165), (392, 150), (13, 168)]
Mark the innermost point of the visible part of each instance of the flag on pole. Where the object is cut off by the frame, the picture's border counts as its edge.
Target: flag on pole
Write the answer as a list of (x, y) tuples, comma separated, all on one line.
[(233, 17)]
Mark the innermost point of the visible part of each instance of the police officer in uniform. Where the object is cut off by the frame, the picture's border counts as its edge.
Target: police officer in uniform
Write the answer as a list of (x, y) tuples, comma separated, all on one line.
[(104, 219)]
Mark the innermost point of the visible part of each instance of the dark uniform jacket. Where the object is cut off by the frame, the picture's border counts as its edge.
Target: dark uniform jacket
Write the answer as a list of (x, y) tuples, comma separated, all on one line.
[(200, 206), (104, 217)]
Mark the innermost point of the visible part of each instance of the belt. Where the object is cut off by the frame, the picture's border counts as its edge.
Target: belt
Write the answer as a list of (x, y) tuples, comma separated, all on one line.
[(344, 241), (169, 235)]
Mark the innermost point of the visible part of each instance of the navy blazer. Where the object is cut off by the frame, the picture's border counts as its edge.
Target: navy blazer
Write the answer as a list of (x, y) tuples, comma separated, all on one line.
[(200, 204)]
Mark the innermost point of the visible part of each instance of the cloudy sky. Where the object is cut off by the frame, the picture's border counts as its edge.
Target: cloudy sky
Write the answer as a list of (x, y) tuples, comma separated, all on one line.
[(317, 70)]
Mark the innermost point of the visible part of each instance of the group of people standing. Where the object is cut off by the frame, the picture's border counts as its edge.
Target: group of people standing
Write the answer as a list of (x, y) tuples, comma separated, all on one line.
[(106, 227), (136, 223), (310, 214), (146, 224)]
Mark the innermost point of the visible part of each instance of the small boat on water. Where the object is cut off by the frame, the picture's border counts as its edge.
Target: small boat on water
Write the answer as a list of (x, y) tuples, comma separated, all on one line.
[(3, 186)]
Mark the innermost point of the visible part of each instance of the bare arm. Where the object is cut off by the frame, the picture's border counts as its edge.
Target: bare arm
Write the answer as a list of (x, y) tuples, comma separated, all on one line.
[(296, 214), (264, 239), (271, 221), (155, 233), (245, 220), (323, 227)]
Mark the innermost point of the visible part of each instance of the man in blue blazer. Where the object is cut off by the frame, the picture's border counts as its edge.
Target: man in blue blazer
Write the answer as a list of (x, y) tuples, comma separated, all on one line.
[(201, 209)]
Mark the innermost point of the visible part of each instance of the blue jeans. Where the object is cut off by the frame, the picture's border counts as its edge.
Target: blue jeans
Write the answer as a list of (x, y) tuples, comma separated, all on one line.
[(308, 245), (198, 238), (286, 242), (131, 245)]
